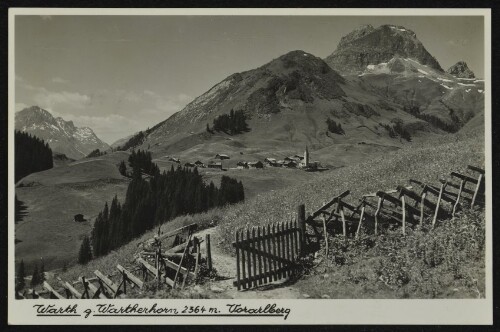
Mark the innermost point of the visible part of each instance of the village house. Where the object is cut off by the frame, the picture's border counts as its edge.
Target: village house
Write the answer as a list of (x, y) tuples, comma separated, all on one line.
[(79, 218), (199, 164), (242, 165), (221, 156), (255, 164), (290, 164), (280, 163), (189, 165), (175, 160), (270, 162), (298, 157), (292, 158), (215, 165)]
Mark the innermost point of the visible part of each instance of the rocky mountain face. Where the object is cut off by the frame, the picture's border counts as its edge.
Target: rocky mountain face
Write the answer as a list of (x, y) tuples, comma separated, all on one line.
[(371, 46), (62, 136), (461, 70), (296, 78), (387, 78)]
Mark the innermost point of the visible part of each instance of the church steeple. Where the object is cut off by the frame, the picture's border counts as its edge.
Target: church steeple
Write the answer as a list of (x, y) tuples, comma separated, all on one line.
[(306, 157)]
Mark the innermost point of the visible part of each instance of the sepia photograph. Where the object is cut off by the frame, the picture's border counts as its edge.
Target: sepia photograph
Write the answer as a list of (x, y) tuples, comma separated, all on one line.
[(219, 156)]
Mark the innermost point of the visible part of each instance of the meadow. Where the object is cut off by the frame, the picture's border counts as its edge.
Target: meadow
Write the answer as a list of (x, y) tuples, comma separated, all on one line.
[(447, 262)]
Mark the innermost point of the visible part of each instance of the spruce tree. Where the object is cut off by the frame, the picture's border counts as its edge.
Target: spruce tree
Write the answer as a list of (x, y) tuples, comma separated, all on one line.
[(21, 275), (122, 168), (85, 254), (35, 278), (42, 272)]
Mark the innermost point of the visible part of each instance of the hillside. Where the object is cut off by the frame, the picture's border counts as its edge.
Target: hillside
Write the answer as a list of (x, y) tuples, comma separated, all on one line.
[(288, 101), (426, 163), (53, 197), (62, 136)]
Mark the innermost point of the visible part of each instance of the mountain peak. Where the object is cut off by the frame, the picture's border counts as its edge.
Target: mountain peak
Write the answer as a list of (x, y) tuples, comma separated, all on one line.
[(357, 33), (370, 46), (298, 60), (62, 136), (36, 110), (461, 70)]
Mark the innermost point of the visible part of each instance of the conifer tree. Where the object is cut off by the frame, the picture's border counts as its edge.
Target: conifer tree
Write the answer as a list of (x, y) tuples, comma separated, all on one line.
[(42, 272), (122, 168), (85, 254), (21, 275), (152, 201), (35, 278), (31, 155)]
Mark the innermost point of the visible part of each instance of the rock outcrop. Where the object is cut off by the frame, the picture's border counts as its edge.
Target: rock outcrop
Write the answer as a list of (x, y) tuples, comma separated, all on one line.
[(461, 70)]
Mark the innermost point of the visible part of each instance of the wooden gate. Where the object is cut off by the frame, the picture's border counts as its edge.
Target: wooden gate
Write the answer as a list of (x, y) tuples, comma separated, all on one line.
[(266, 253)]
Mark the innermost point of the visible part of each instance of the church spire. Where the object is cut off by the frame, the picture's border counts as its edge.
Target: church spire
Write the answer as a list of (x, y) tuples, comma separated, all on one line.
[(306, 157)]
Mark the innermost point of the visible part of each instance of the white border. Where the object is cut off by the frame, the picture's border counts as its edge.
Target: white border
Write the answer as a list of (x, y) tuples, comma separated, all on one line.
[(461, 312)]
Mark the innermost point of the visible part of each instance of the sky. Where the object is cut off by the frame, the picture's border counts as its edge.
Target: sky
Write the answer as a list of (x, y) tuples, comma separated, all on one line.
[(121, 74)]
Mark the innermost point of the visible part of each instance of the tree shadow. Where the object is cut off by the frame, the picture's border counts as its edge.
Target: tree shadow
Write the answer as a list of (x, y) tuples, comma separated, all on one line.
[(20, 210)]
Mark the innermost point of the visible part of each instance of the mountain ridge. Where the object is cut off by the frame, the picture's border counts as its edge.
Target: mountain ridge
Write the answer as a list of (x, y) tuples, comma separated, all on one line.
[(289, 100), (62, 136)]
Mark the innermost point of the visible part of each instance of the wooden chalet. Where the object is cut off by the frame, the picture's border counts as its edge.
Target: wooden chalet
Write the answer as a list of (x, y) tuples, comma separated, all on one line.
[(215, 165), (199, 164), (221, 156), (79, 218), (255, 164), (242, 165), (290, 164)]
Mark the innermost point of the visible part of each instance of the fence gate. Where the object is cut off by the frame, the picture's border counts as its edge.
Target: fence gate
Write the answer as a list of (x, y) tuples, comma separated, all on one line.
[(266, 253)]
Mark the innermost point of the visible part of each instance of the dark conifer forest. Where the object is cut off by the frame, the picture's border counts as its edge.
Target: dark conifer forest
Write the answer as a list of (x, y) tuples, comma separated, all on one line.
[(334, 127), (156, 199), (96, 153), (141, 161), (32, 155), (232, 123)]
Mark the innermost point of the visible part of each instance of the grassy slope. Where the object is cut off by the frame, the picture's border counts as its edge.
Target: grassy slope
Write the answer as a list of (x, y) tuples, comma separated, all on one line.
[(54, 196), (126, 254), (422, 162), (447, 262)]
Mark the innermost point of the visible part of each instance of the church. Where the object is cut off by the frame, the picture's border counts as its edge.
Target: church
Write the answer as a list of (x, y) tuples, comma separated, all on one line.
[(305, 161)]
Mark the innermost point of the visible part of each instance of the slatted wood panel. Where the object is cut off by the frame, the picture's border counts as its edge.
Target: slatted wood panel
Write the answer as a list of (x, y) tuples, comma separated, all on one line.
[(266, 253)]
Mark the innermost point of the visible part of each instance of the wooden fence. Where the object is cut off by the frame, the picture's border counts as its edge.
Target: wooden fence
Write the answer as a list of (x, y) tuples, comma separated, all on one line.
[(165, 262), (266, 253), (405, 204)]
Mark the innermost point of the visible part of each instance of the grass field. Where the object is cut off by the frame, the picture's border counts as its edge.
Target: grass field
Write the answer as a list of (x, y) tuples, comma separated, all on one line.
[(425, 162), (447, 262), (457, 245), (53, 197)]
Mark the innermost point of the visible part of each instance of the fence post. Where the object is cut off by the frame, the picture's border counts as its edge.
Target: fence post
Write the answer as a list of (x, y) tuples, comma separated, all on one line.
[(209, 252), (301, 212)]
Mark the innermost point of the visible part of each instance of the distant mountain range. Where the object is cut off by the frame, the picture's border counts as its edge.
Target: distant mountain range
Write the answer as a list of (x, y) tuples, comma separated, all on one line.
[(376, 77), (62, 136)]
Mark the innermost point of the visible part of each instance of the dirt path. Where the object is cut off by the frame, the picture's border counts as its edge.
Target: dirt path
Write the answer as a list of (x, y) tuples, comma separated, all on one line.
[(226, 268)]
